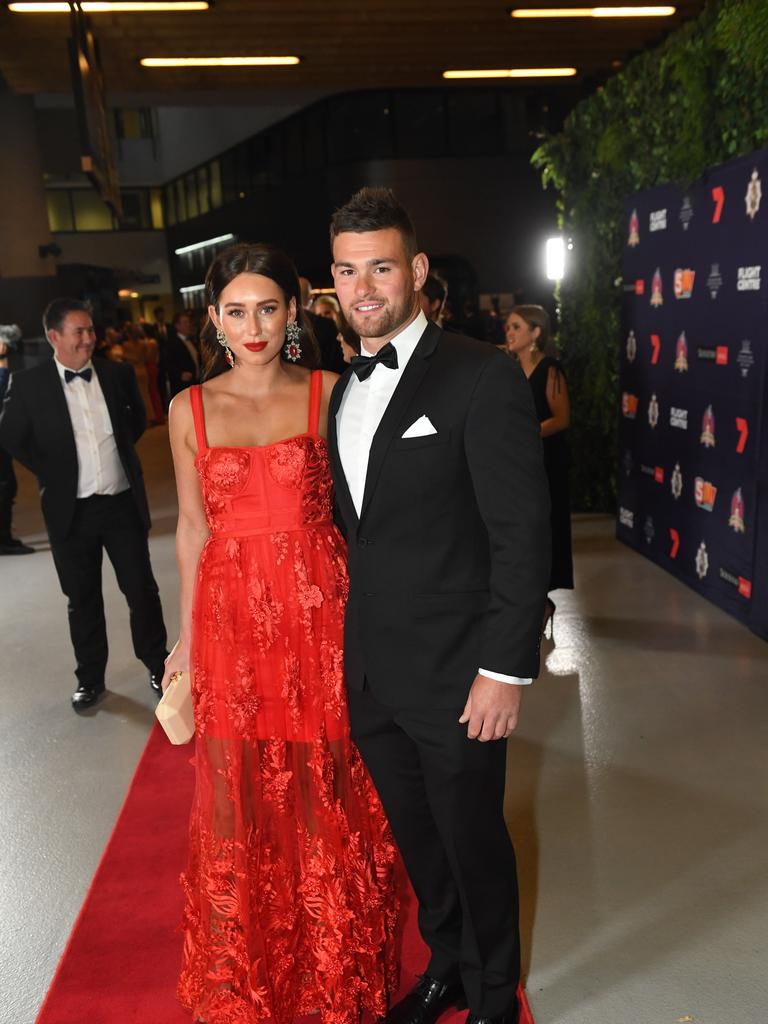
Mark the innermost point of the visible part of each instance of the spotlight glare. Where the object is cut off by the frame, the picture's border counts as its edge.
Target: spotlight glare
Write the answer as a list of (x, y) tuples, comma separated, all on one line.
[(555, 258)]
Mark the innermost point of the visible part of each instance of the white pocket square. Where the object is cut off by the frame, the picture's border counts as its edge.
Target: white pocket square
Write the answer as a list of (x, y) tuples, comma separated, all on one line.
[(421, 428)]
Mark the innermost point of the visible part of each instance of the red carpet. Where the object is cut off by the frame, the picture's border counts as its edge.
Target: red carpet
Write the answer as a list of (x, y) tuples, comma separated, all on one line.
[(122, 959)]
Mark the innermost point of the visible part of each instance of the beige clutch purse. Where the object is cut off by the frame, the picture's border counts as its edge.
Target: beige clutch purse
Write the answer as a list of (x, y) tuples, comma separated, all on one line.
[(174, 712)]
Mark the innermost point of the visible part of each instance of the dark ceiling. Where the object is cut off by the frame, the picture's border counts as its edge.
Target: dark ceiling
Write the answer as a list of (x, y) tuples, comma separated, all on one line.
[(343, 44)]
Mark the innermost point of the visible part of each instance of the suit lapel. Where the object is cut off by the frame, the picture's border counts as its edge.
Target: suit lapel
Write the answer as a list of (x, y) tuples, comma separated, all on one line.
[(59, 408), (106, 382), (407, 386), (342, 487)]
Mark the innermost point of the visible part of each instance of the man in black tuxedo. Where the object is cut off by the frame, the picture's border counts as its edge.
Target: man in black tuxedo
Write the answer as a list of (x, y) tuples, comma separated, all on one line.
[(182, 354), (441, 491), (325, 331), (74, 423)]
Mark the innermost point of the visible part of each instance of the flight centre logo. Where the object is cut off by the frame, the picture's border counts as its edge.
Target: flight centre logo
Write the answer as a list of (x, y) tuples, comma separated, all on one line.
[(627, 518), (748, 279), (634, 230), (753, 195), (657, 220)]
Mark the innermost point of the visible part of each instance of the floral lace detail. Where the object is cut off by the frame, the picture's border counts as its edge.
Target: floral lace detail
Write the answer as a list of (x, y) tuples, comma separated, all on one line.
[(317, 497), (265, 612), (227, 469), (286, 461)]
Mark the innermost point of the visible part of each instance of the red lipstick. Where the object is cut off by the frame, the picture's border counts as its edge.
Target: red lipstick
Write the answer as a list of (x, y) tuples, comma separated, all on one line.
[(255, 346)]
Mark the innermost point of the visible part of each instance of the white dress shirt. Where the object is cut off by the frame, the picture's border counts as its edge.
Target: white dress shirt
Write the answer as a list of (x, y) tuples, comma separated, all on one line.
[(99, 469), (362, 407)]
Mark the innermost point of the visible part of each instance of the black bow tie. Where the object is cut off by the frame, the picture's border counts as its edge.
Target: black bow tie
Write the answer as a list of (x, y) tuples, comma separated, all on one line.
[(365, 365), (70, 375)]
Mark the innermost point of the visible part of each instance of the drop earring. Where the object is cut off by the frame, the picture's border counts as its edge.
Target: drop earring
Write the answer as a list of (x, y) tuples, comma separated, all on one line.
[(292, 348), (222, 340)]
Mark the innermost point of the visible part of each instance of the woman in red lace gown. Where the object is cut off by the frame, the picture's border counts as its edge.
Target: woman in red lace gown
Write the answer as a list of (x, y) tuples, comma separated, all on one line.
[(290, 904)]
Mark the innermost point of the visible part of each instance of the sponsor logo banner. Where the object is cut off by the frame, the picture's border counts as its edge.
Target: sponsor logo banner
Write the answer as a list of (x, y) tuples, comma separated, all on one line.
[(748, 279), (657, 220), (714, 281), (752, 197), (634, 230), (683, 282), (705, 493), (678, 418), (627, 518)]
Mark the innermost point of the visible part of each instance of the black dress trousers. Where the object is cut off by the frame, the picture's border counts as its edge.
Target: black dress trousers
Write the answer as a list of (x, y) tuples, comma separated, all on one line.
[(444, 797), (108, 523)]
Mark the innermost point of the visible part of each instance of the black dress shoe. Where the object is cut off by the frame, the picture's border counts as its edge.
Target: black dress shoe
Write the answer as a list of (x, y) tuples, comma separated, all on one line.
[(156, 681), (15, 547), (85, 696), (426, 1001)]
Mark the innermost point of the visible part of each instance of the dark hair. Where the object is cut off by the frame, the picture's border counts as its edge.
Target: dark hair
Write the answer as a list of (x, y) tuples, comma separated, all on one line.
[(435, 288), (535, 316), (375, 209), (252, 258), (56, 312)]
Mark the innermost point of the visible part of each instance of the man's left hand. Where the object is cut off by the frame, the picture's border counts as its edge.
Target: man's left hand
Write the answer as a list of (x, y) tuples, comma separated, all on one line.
[(492, 709)]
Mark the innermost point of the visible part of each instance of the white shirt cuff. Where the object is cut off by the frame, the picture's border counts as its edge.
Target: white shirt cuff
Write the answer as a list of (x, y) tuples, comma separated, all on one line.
[(504, 679)]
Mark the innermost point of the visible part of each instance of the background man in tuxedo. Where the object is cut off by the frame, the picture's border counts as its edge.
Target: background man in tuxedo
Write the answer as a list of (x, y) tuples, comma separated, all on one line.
[(183, 354), (74, 423), (441, 490), (326, 333)]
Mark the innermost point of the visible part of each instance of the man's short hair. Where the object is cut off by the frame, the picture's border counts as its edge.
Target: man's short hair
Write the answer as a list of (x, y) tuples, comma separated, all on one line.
[(56, 312), (375, 209)]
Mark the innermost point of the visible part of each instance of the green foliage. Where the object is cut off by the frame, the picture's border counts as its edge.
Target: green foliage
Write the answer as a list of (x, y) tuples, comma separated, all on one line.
[(697, 100)]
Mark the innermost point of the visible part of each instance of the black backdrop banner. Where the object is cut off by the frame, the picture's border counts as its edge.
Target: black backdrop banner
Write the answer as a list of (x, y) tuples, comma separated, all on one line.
[(693, 471)]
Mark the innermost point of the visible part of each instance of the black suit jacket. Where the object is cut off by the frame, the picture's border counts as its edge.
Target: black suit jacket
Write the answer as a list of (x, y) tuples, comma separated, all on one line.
[(329, 349), (449, 560), (178, 360), (35, 427)]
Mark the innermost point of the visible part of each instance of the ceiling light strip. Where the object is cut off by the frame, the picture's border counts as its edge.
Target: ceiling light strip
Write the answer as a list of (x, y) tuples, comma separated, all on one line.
[(106, 7), (192, 288), (203, 245), (657, 11), (217, 62), (513, 73)]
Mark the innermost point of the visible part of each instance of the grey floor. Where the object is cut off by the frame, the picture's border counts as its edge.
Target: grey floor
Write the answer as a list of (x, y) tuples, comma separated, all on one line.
[(637, 791)]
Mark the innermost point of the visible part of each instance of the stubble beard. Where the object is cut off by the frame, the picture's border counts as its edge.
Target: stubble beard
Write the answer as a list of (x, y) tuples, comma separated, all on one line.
[(387, 322)]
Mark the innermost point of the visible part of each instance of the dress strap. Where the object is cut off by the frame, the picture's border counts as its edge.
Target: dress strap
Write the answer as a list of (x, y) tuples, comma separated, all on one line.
[(315, 394), (196, 398)]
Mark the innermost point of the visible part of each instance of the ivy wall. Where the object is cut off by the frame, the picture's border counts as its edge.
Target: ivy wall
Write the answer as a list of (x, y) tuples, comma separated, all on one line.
[(697, 100)]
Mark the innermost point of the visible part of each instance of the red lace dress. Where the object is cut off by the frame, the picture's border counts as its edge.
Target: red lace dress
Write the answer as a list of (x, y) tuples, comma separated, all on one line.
[(290, 888)]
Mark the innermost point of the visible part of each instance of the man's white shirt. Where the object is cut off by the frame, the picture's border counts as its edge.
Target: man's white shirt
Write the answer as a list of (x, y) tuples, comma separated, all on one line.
[(360, 412), (99, 469)]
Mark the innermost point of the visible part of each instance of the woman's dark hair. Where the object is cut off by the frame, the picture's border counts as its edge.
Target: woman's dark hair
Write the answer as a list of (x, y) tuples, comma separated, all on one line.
[(252, 258), (535, 316), (374, 209)]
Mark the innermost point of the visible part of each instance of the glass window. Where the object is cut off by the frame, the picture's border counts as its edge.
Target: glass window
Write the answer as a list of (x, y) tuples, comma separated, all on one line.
[(59, 210), (193, 207), (474, 125), (359, 127), (214, 177), (181, 200), (170, 205), (91, 212), (202, 190), (419, 124), (135, 214)]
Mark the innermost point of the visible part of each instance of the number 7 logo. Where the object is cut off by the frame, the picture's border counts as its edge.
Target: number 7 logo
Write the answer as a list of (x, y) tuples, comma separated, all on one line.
[(718, 194)]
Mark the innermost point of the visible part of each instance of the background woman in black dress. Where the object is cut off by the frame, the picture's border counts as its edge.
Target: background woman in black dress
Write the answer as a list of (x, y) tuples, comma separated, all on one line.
[(528, 333)]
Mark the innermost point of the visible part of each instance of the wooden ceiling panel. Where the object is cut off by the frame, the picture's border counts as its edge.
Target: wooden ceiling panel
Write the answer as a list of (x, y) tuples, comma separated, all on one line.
[(342, 44)]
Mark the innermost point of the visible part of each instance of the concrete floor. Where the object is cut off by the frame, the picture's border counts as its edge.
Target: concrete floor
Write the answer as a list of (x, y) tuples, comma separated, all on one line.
[(637, 791)]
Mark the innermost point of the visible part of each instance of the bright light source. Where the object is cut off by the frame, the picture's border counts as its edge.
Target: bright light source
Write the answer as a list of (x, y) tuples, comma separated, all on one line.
[(513, 73), (203, 245), (594, 12), (555, 258), (116, 7), (192, 288), (217, 62)]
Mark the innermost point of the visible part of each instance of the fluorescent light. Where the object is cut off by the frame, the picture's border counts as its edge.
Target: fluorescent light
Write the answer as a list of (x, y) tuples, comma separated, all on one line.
[(514, 73), (116, 7), (203, 245), (554, 258), (659, 11), (192, 288), (217, 62)]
